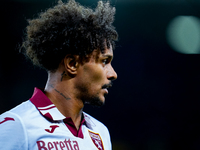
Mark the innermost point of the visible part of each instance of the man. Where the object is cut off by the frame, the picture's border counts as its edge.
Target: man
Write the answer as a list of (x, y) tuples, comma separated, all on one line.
[(75, 45)]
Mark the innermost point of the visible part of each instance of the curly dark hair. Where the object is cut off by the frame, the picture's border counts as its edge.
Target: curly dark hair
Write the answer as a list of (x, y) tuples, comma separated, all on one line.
[(68, 28)]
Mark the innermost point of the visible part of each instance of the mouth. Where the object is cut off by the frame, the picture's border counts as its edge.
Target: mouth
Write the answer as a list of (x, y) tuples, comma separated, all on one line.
[(106, 86), (106, 91)]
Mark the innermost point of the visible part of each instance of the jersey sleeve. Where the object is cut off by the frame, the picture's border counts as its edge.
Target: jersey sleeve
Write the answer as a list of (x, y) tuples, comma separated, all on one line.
[(12, 134), (109, 139)]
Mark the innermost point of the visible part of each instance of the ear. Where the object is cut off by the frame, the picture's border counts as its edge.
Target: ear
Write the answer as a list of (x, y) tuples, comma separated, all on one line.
[(71, 63)]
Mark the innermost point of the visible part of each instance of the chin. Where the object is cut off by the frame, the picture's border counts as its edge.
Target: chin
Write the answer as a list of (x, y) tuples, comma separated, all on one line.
[(94, 100), (97, 101)]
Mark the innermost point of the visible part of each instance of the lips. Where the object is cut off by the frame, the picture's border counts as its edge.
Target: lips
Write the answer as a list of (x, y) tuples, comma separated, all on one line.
[(106, 90), (106, 86)]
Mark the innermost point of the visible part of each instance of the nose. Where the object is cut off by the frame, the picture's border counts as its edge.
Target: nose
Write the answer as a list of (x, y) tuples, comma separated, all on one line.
[(111, 74)]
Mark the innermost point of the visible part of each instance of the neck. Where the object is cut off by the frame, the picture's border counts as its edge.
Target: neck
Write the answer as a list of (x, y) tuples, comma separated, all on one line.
[(60, 92)]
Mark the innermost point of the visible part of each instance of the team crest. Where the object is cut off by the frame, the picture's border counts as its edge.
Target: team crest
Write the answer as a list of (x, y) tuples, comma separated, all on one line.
[(96, 140)]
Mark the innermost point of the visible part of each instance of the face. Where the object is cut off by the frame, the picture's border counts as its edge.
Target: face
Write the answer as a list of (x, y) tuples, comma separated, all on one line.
[(94, 77)]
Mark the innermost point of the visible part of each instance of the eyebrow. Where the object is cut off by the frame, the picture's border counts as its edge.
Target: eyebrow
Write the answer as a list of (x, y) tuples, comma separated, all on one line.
[(109, 56)]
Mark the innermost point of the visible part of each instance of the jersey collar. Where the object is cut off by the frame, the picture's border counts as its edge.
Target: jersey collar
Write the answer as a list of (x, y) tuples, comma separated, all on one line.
[(45, 106), (50, 111)]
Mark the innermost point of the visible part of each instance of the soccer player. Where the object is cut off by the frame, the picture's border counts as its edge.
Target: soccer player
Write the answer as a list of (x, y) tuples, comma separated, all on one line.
[(75, 45)]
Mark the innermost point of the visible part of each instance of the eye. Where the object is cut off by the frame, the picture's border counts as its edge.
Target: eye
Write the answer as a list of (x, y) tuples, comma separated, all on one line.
[(105, 61)]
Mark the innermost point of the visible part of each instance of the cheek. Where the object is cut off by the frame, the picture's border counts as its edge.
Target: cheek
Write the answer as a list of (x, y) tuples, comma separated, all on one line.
[(94, 73)]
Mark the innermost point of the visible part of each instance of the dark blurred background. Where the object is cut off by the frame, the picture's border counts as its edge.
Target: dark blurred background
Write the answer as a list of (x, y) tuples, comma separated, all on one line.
[(154, 103)]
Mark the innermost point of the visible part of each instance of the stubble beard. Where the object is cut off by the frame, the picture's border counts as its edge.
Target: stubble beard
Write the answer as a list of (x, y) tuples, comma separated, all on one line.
[(94, 101), (87, 98)]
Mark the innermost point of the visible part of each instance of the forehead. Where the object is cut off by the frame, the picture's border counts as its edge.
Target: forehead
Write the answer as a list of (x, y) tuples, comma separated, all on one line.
[(108, 52)]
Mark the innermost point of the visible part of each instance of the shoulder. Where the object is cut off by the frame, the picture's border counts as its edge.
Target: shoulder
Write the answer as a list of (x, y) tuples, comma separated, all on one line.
[(97, 128), (22, 108), (25, 112), (96, 125), (12, 126), (21, 114), (93, 121), (16, 114)]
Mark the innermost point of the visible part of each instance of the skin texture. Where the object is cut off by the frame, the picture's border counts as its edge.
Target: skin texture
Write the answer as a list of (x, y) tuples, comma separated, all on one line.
[(73, 84)]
